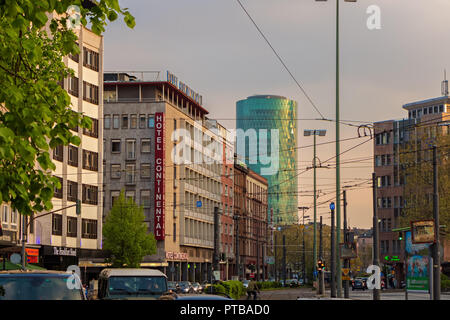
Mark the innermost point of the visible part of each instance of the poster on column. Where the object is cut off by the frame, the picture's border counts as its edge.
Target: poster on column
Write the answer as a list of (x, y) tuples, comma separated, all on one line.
[(417, 263), (159, 176)]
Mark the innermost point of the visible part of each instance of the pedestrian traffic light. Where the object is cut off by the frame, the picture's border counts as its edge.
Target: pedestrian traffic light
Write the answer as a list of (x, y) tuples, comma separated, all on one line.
[(400, 236), (78, 207)]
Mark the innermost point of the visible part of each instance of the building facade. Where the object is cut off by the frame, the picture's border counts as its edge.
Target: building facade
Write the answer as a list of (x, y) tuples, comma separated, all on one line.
[(161, 151), (263, 119)]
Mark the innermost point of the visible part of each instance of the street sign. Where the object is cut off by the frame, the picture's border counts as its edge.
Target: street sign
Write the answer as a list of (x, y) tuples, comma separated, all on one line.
[(423, 231), (269, 260), (252, 275), (345, 273), (332, 206), (348, 250), (199, 204), (216, 275)]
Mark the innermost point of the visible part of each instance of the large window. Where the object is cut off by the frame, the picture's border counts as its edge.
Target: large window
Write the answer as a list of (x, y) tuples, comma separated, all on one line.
[(90, 160), (130, 176), (73, 156), (72, 191), (90, 92), (56, 224), (89, 229), (91, 59), (5, 214), (93, 132), (58, 153), (90, 194), (71, 227), (73, 86), (58, 193), (145, 145)]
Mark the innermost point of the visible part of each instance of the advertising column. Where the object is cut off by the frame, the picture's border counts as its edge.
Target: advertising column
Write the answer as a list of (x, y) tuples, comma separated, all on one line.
[(159, 176)]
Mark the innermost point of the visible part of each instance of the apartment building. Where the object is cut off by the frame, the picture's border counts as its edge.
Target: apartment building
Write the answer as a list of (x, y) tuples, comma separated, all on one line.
[(161, 151)]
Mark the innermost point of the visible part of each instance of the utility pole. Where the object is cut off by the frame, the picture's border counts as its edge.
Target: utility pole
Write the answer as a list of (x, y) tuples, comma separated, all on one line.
[(346, 240), (376, 250), (216, 266), (276, 257), (284, 260), (24, 240), (333, 253), (238, 269), (436, 251), (321, 275), (257, 249)]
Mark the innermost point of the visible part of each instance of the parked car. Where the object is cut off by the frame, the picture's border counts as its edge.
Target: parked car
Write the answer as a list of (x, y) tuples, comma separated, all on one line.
[(197, 287), (358, 284), (293, 283), (40, 285), (173, 286), (186, 287), (129, 283)]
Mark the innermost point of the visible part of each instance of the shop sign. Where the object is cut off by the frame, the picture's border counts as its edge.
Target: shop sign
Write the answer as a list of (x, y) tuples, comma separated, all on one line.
[(159, 176), (176, 255)]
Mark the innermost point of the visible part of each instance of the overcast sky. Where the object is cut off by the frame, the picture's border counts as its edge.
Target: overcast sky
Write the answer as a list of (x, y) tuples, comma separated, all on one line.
[(213, 47)]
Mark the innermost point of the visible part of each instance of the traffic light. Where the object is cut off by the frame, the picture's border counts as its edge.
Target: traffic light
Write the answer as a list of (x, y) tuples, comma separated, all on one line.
[(400, 236), (78, 207)]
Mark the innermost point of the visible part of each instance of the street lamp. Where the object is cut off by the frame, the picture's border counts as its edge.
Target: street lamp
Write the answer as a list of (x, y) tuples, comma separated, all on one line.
[(338, 187), (320, 133)]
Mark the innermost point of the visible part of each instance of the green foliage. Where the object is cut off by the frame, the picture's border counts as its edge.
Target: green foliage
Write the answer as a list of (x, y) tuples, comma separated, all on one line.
[(233, 288), (125, 234), (35, 112), (269, 284)]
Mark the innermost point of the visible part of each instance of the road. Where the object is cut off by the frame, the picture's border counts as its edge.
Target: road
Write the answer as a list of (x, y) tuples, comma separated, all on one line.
[(309, 294)]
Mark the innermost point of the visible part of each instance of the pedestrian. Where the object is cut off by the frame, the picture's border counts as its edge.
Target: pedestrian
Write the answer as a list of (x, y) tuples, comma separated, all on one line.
[(252, 289)]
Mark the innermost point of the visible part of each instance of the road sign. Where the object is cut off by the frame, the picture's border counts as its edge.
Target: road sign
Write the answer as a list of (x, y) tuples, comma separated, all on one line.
[(345, 273), (199, 204), (252, 275), (332, 206)]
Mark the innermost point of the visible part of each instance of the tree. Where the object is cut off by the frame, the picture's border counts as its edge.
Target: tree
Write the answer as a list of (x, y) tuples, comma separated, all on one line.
[(416, 161), (35, 112), (125, 234)]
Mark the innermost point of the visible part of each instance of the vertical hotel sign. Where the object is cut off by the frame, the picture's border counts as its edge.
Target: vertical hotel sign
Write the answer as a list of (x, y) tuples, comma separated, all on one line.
[(159, 176)]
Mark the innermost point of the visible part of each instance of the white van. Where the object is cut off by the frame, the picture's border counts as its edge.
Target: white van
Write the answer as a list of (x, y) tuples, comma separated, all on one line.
[(131, 284)]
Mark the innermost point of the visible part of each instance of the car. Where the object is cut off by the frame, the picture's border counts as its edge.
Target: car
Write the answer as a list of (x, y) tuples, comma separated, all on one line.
[(216, 296), (131, 284), (197, 287), (186, 287), (358, 284), (293, 283), (40, 285), (173, 286)]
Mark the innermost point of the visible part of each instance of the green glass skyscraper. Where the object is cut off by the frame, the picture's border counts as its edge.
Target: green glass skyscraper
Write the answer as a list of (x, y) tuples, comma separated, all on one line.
[(266, 139)]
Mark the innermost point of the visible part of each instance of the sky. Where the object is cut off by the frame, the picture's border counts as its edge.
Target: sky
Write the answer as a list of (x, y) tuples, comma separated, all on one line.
[(214, 48)]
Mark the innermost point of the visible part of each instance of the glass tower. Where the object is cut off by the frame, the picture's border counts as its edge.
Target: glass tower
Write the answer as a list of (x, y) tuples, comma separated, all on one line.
[(270, 116)]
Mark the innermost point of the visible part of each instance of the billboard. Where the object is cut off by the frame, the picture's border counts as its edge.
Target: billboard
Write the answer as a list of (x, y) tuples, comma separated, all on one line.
[(418, 265), (159, 176), (423, 231)]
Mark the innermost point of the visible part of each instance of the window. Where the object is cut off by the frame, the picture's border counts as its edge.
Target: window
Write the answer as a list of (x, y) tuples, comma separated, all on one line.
[(145, 198), (116, 121), (89, 229), (56, 224), (425, 110), (430, 110), (133, 121), (129, 195), (90, 160), (58, 193), (142, 121), (145, 145), (115, 146), (73, 86), (114, 196), (130, 174), (107, 122), (72, 191), (90, 92), (71, 227), (58, 153), (151, 122), (13, 220), (73, 156), (93, 132), (124, 121), (441, 108), (115, 171), (5, 214), (90, 194), (91, 59), (435, 108), (145, 170), (131, 149)]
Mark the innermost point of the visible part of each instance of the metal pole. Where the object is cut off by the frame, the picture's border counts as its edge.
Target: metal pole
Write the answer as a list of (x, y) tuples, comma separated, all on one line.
[(338, 176), (315, 215), (376, 252), (346, 240), (24, 239), (216, 266), (284, 260), (436, 251), (276, 257), (333, 257), (405, 265), (238, 269), (304, 250), (321, 275)]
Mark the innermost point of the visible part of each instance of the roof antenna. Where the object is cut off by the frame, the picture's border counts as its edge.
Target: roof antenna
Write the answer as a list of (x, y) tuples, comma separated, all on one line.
[(444, 85)]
